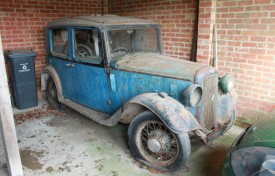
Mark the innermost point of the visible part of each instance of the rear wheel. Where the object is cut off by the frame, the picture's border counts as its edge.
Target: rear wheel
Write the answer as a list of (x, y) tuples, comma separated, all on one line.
[(154, 144), (52, 96)]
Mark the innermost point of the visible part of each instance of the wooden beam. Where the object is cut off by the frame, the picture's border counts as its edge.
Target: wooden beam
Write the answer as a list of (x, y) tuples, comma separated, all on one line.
[(7, 123)]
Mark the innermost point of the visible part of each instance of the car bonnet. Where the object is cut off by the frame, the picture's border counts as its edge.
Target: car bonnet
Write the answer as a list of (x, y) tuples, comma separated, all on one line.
[(157, 64), (260, 134)]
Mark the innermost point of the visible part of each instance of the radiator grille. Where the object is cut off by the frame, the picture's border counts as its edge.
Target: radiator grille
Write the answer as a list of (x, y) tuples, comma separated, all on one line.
[(209, 101)]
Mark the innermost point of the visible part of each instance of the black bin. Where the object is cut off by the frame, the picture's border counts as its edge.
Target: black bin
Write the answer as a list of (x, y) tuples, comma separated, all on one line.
[(23, 78)]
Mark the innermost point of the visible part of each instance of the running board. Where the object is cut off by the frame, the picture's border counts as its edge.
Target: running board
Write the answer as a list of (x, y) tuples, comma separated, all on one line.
[(99, 117)]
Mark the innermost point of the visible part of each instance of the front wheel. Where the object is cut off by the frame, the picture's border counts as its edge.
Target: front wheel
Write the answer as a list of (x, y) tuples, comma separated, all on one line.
[(152, 143)]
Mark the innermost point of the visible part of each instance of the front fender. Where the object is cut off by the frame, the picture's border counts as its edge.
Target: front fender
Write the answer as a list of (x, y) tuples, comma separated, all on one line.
[(170, 111)]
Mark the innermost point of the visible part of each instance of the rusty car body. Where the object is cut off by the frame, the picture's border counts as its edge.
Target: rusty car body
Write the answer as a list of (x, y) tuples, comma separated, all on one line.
[(111, 69)]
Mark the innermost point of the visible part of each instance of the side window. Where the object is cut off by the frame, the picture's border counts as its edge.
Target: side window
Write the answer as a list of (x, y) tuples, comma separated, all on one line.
[(60, 41), (87, 44)]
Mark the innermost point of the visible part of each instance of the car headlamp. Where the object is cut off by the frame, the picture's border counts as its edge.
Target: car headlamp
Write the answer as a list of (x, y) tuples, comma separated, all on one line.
[(192, 95), (252, 161), (226, 83)]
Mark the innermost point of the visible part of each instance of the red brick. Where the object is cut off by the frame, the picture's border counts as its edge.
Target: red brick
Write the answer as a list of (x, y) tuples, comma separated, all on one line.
[(255, 62), (243, 87), (234, 21), (260, 14), (268, 8), (249, 44), (257, 51), (260, 91), (245, 3), (262, 1), (252, 8), (236, 9), (240, 38), (265, 58), (228, 4), (272, 14), (267, 21), (271, 39), (262, 80), (268, 98), (270, 64), (228, 15), (267, 108), (247, 66), (271, 52), (258, 38)]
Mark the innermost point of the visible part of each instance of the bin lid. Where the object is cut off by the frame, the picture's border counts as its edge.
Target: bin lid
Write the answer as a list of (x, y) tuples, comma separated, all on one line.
[(12, 54)]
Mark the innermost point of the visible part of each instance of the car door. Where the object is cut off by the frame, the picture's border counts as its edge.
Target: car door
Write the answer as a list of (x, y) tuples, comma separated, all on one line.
[(90, 77), (61, 59)]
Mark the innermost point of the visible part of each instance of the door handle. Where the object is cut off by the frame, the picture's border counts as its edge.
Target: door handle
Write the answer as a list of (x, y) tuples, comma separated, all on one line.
[(70, 65)]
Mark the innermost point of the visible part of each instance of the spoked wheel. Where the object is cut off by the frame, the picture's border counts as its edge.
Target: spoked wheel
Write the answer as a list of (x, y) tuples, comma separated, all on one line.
[(84, 51), (155, 145), (51, 93)]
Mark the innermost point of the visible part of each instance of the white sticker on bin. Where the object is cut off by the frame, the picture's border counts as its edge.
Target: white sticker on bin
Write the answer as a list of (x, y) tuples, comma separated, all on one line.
[(24, 67)]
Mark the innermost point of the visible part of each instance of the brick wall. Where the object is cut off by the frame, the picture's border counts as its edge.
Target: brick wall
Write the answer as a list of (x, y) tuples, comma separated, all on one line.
[(175, 16), (22, 22), (246, 47)]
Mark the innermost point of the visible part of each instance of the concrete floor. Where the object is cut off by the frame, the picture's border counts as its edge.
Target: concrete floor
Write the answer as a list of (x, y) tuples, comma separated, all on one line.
[(72, 145)]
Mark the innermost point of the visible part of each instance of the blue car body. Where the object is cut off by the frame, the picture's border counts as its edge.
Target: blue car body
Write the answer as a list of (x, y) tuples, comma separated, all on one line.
[(112, 68)]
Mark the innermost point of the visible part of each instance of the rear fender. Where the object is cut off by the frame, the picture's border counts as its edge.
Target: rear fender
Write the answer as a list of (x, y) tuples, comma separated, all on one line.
[(50, 71), (170, 111)]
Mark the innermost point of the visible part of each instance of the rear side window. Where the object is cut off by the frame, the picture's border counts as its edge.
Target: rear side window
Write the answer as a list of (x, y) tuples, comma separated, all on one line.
[(87, 44), (60, 41)]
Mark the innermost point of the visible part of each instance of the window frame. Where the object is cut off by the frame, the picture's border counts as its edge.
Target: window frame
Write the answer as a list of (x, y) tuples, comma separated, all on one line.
[(157, 27), (93, 61), (66, 56)]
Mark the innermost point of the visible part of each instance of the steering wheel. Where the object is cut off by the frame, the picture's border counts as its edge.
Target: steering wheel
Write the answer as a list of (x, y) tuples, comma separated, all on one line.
[(120, 49)]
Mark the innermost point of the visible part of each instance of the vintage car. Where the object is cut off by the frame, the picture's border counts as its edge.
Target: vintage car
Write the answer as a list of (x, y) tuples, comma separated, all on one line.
[(111, 69), (253, 152)]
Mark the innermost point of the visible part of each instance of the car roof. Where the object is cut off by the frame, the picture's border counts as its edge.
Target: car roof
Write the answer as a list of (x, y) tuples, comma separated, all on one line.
[(105, 20)]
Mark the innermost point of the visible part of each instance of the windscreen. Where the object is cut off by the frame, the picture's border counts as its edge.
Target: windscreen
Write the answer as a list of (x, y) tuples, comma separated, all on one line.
[(124, 41)]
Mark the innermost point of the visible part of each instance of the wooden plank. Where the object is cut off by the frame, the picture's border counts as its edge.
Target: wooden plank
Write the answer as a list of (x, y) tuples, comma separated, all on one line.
[(7, 123)]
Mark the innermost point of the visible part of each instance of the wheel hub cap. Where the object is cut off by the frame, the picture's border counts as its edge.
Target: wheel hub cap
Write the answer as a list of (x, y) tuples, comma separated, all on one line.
[(158, 140), (154, 145)]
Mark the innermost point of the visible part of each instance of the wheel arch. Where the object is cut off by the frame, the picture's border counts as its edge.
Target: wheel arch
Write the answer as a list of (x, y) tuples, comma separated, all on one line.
[(142, 129), (173, 114), (51, 72)]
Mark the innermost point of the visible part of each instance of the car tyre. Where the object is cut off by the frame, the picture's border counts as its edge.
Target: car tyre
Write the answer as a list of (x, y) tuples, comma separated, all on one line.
[(152, 143), (52, 97)]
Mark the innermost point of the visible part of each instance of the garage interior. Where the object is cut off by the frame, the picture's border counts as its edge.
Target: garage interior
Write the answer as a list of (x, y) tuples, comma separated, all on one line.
[(244, 45)]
